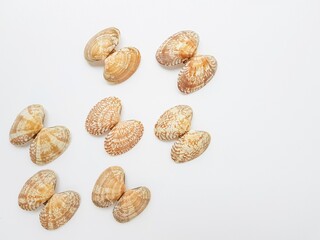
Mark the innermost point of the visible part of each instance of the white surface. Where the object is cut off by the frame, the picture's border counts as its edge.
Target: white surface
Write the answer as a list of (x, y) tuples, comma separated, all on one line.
[(259, 179)]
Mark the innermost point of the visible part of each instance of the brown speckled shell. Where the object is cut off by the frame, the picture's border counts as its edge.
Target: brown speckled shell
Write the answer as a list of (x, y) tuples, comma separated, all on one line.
[(59, 210), (49, 144), (37, 190), (196, 73), (190, 146), (27, 124), (178, 48), (120, 65), (104, 116), (124, 136), (131, 204), (102, 44), (109, 187), (174, 123)]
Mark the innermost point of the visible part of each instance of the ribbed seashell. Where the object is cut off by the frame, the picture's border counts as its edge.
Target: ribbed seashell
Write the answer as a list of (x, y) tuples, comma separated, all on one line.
[(178, 48), (124, 136), (102, 44), (49, 144), (120, 65), (59, 210), (104, 116), (109, 187), (190, 146), (174, 123), (131, 204), (37, 190), (196, 73), (27, 124)]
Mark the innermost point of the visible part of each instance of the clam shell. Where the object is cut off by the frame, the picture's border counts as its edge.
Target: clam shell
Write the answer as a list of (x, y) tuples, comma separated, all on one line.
[(190, 146), (37, 190), (49, 144), (59, 210), (124, 136), (174, 123), (27, 124), (109, 187), (120, 65), (104, 116), (178, 48), (131, 204), (196, 73), (102, 44)]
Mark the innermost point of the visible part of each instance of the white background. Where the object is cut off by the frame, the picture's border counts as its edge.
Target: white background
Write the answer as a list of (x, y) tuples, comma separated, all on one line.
[(259, 179)]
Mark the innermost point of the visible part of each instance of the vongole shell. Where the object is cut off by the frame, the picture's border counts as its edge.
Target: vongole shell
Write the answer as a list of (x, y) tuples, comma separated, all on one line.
[(120, 65), (124, 136), (196, 73), (104, 116), (27, 124), (178, 48), (102, 44), (37, 190), (174, 123), (59, 210), (49, 144), (109, 187), (131, 204), (190, 146)]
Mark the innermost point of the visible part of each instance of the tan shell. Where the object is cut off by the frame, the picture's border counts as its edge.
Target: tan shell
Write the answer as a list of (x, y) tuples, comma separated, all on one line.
[(124, 136), (120, 65), (109, 187), (131, 204), (190, 146), (49, 144), (59, 210), (178, 48), (27, 124), (196, 73), (174, 123), (102, 44), (37, 190), (104, 116)]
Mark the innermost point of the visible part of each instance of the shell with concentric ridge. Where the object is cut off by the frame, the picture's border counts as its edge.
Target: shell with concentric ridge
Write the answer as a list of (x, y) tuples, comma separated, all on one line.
[(104, 116), (27, 124), (174, 123), (178, 48), (59, 210), (49, 144), (190, 146), (37, 190), (131, 204), (124, 136), (196, 73), (102, 44), (109, 187), (120, 65)]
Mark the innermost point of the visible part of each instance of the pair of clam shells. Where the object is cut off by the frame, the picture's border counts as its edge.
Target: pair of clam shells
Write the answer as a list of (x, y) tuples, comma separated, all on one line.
[(104, 118), (118, 65), (58, 208), (110, 189), (175, 124), (181, 48), (47, 143)]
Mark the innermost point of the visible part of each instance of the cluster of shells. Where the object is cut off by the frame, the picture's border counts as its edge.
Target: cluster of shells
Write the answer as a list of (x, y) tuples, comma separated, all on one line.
[(47, 143), (181, 48), (104, 118), (58, 208), (175, 124), (110, 189), (118, 65)]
